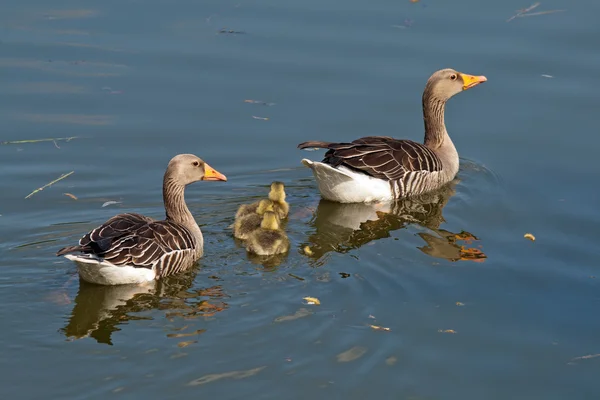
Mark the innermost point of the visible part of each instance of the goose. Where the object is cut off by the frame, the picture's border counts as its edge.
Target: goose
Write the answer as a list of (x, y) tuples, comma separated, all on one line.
[(132, 248), (276, 196), (381, 168), (269, 239), (246, 224)]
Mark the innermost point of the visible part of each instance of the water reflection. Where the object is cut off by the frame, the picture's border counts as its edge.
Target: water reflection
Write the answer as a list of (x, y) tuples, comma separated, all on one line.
[(99, 311), (344, 227)]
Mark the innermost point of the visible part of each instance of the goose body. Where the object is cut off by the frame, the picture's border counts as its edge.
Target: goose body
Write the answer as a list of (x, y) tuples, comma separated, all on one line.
[(382, 168), (132, 248)]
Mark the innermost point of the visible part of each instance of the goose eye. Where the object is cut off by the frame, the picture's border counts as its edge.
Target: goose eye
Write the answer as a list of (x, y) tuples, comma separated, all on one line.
[(453, 77), (195, 163)]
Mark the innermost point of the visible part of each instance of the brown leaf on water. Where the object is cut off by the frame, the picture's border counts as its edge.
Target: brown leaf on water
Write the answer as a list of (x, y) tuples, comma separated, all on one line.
[(446, 331), (71, 196), (351, 354), (380, 328), (186, 344), (529, 236), (232, 375), (312, 300), (178, 335)]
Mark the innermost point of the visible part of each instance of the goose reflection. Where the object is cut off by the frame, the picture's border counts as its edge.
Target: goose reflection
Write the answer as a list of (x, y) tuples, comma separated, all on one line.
[(344, 227), (99, 310)]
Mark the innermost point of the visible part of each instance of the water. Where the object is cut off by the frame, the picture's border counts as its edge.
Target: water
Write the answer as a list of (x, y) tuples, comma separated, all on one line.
[(137, 82)]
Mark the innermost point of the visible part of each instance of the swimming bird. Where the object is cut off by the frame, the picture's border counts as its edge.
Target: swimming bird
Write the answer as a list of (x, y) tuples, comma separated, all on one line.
[(276, 196), (269, 239), (133, 248), (246, 224), (381, 168)]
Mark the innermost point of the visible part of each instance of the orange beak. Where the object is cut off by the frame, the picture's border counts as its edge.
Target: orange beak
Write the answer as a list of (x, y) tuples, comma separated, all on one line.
[(471, 80), (211, 174)]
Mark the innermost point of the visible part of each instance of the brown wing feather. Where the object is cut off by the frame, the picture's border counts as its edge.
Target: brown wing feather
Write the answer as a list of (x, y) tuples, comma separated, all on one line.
[(133, 239), (381, 157)]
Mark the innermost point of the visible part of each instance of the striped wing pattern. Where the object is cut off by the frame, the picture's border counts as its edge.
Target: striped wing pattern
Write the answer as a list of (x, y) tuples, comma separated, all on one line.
[(135, 240), (408, 166)]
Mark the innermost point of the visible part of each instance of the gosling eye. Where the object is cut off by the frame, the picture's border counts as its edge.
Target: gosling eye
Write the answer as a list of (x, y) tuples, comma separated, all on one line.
[(453, 77), (195, 163)]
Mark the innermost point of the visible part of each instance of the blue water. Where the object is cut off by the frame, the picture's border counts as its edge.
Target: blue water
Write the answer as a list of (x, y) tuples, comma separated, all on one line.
[(134, 83)]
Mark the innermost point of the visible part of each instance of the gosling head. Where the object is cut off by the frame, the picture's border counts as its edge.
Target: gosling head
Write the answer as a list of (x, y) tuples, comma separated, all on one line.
[(263, 206), (188, 168), (277, 192), (445, 83), (270, 221)]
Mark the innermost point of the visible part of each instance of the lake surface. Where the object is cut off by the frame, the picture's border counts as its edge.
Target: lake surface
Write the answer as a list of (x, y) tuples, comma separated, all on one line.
[(474, 310)]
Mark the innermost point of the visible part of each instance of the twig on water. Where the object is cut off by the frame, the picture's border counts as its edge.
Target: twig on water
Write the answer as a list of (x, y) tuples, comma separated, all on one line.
[(525, 12), (63, 176), (66, 139)]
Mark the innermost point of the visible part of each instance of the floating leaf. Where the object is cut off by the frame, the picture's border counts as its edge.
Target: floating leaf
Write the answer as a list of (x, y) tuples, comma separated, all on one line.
[(308, 251), (108, 203), (312, 300), (186, 344), (458, 303), (71, 196), (446, 331), (380, 328), (529, 236)]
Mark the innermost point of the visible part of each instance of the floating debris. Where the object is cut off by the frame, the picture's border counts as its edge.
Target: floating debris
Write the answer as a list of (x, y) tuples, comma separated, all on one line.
[(380, 328), (525, 12), (529, 236), (71, 196), (261, 118), (547, 76), (186, 344), (446, 331), (458, 303), (63, 176), (264, 103), (230, 31), (308, 251), (67, 139), (312, 300), (108, 203)]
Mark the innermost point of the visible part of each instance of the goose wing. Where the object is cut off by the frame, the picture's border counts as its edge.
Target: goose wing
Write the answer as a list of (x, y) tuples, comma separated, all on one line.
[(135, 240), (381, 157)]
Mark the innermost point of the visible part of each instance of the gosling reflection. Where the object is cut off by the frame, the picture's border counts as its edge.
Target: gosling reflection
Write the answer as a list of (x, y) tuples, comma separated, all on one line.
[(99, 311), (344, 227)]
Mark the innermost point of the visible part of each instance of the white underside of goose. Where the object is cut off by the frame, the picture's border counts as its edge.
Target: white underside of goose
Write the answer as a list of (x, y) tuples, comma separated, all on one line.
[(343, 185), (95, 270)]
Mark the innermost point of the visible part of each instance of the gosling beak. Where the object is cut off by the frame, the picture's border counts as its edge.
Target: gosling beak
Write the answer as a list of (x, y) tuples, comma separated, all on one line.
[(470, 80), (211, 174)]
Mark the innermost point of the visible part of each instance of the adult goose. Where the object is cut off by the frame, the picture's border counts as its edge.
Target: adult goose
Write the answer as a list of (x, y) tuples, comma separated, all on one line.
[(133, 248), (381, 168)]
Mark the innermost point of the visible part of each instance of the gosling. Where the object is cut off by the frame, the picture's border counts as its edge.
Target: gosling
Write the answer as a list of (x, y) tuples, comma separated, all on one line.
[(248, 223), (269, 239)]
